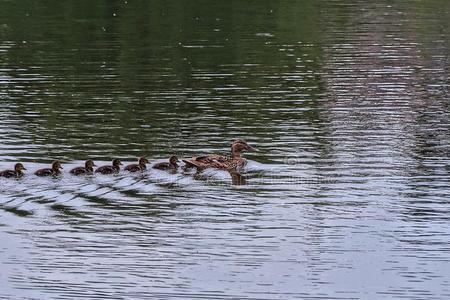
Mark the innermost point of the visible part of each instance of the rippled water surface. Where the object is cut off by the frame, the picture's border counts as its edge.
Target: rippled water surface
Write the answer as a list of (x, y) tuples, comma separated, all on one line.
[(347, 101)]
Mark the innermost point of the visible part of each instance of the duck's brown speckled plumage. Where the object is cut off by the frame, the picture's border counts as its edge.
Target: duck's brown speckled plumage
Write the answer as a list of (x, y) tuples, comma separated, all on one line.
[(17, 172), (87, 169), (53, 171), (233, 162), (140, 166), (114, 168), (172, 164)]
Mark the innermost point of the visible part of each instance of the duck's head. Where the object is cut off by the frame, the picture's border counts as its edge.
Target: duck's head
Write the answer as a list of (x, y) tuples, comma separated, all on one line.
[(143, 160), (173, 160), (19, 167), (116, 162), (89, 164), (239, 146), (56, 165)]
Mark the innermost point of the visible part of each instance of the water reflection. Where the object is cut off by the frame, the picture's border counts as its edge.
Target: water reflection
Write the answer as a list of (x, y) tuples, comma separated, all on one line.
[(346, 100)]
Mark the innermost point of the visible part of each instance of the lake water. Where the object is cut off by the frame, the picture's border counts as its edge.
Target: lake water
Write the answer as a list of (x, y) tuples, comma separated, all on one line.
[(347, 101)]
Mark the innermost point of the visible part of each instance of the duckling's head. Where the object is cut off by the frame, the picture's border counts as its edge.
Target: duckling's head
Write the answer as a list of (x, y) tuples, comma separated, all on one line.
[(19, 167), (143, 160), (89, 164), (116, 162), (239, 146), (56, 165), (173, 160)]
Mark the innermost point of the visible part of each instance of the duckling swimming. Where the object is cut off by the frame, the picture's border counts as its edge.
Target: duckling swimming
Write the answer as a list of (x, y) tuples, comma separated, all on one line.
[(140, 166), (233, 162), (87, 169), (115, 168), (171, 165), (17, 172), (53, 171)]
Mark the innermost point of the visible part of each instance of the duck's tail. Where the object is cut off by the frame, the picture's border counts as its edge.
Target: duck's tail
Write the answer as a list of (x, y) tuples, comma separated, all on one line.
[(191, 164)]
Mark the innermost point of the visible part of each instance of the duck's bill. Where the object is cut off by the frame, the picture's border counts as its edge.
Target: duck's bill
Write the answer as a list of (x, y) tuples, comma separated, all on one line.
[(24, 168), (252, 149)]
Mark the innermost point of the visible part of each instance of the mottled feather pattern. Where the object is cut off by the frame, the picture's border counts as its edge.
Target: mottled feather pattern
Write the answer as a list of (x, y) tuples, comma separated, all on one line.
[(135, 168), (233, 162), (46, 172), (107, 170), (165, 166), (80, 171), (10, 174), (171, 165), (218, 162)]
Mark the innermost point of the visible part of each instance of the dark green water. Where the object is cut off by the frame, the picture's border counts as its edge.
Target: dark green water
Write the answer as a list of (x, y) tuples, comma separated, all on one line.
[(347, 101)]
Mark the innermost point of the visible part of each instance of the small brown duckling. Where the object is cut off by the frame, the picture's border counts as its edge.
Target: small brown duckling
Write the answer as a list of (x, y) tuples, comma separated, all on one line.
[(17, 172), (53, 171), (115, 168), (87, 169), (140, 166), (171, 165)]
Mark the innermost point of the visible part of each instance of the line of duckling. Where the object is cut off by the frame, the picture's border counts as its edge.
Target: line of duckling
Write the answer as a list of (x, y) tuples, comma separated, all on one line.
[(232, 163), (88, 168)]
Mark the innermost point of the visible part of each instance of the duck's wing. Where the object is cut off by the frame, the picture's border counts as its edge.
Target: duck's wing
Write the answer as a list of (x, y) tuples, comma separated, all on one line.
[(208, 161), (105, 170), (78, 171), (44, 172), (133, 168), (161, 166)]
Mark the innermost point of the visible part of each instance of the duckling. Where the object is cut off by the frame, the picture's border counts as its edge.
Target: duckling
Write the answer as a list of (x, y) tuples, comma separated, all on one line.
[(140, 166), (233, 162), (87, 169), (115, 168), (17, 172), (53, 171), (171, 165)]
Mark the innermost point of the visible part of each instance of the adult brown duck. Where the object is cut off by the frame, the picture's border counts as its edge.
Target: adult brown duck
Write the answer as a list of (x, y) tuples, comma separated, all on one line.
[(230, 163), (87, 169), (53, 171), (17, 172), (140, 166), (170, 165), (115, 168)]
